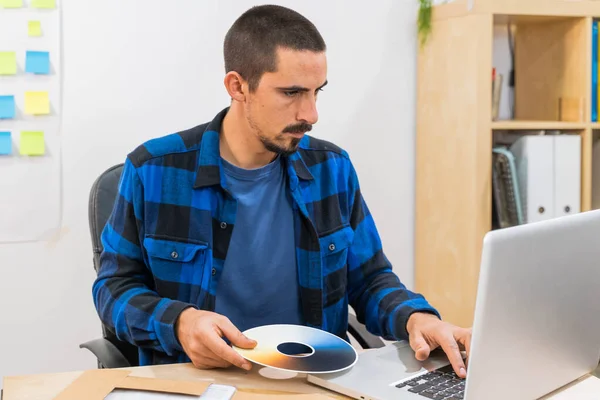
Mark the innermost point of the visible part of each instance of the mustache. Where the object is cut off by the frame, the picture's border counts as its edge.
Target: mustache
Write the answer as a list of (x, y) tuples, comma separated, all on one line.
[(298, 128)]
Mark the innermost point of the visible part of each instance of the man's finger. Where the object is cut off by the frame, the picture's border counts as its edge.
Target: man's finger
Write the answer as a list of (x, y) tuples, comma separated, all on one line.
[(211, 358), (206, 363), (419, 345), (234, 335), (202, 355), (218, 346), (451, 349), (214, 363), (465, 339)]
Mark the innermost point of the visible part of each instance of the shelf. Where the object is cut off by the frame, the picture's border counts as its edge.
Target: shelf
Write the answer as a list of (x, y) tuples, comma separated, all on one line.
[(564, 8), (538, 125)]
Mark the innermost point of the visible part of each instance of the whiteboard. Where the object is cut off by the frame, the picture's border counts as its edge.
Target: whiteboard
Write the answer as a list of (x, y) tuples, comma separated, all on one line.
[(30, 186)]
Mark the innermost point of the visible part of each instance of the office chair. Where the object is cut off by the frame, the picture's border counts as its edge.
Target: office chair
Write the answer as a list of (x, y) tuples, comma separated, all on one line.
[(110, 351)]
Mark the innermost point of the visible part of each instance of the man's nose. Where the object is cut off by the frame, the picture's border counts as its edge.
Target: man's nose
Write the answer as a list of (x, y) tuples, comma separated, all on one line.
[(308, 111)]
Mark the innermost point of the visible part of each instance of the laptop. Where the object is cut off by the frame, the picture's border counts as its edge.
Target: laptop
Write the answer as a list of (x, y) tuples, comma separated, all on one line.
[(536, 324)]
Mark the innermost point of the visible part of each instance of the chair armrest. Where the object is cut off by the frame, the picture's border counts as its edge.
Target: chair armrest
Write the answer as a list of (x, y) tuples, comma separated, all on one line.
[(365, 338), (108, 355)]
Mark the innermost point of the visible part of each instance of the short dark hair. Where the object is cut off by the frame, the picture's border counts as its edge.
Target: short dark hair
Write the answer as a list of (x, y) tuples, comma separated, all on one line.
[(251, 42)]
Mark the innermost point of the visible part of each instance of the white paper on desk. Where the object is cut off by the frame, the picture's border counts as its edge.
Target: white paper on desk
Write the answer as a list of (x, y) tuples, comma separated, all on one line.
[(127, 394), (588, 389)]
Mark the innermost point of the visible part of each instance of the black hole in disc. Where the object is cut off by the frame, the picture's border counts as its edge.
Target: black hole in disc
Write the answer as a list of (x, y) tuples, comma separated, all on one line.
[(294, 349)]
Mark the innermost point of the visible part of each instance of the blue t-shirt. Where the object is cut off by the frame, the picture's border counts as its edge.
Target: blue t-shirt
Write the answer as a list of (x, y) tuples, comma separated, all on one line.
[(259, 282)]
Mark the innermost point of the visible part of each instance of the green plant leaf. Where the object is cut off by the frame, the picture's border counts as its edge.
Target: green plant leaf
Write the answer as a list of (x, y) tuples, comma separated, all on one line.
[(424, 20)]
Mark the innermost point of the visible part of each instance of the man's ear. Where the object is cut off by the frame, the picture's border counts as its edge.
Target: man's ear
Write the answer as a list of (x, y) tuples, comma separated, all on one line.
[(236, 86)]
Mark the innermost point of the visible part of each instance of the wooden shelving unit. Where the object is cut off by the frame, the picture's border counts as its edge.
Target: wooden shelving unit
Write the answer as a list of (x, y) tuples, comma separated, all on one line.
[(455, 131), (537, 125)]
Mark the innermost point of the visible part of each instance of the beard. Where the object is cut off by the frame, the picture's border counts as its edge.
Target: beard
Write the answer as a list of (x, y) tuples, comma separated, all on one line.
[(280, 148), (279, 144)]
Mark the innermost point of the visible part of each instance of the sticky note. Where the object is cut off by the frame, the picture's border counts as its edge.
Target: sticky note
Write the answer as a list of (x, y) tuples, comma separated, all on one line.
[(7, 107), (43, 3), (32, 143), (34, 28), (5, 144), (37, 62), (37, 103), (8, 63), (11, 3)]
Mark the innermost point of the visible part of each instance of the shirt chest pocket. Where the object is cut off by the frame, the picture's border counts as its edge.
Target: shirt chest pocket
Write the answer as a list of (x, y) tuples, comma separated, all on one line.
[(334, 256), (334, 249), (178, 267)]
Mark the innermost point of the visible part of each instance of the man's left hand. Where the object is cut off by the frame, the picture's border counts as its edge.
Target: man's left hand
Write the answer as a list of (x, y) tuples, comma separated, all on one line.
[(427, 332)]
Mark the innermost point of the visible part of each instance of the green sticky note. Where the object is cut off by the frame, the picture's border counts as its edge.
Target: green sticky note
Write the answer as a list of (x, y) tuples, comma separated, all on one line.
[(43, 3), (32, 143), (11, 3), (34, 28), (37, 103), (8, 63)]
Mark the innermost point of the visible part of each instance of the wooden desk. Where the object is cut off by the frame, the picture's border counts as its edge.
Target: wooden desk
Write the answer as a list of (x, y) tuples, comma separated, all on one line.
[(47, 386)]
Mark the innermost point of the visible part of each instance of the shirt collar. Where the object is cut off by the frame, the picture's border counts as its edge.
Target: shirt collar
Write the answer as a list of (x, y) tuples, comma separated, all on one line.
[(210, 171)]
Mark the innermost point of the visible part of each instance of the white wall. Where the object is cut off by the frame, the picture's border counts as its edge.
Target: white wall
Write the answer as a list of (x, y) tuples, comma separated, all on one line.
[(138, 69)]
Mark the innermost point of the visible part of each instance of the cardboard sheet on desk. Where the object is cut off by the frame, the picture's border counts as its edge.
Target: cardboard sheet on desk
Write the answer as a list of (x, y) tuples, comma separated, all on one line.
[(97, 384)]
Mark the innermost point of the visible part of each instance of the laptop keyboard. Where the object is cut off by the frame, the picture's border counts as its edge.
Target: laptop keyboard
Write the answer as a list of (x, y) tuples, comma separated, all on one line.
[(440, 384)]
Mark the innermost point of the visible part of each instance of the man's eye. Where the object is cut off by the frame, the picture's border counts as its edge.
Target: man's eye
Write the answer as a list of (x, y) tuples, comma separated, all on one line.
[(291, 93)]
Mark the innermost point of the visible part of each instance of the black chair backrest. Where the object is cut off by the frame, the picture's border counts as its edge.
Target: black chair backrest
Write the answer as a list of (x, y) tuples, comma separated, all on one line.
[(102, 199)]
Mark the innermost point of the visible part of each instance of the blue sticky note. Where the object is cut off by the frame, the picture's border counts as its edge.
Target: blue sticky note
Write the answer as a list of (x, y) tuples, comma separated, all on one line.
[(5, 143), (7, 107), (37, 62)]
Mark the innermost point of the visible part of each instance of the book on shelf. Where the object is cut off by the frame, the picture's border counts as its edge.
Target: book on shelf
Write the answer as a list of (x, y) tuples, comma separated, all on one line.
[(496, 93), (595, 92)]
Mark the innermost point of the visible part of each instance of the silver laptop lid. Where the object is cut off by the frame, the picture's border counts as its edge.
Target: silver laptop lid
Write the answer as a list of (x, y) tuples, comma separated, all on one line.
[(537, 310)]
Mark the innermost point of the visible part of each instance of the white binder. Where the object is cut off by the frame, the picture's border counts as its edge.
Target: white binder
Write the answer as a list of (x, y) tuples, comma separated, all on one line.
[(549, 175), (567, 175)]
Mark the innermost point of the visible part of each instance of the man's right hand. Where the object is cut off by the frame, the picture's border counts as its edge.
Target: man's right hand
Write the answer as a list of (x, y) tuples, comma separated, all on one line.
[(201, 336)]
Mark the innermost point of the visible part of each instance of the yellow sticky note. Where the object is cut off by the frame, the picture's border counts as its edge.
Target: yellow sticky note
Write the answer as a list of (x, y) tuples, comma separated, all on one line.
[(32, 143), (8, 63), (37, 103), (35, 28), (11, 3), (43, 3)]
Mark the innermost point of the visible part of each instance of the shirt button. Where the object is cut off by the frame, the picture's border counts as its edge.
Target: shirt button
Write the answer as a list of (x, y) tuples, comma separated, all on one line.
[(174, 254), (331, 247), (223, 225), (214, 272)]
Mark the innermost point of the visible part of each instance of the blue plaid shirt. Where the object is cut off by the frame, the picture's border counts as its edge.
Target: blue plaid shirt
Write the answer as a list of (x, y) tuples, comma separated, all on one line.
[(166, 242)]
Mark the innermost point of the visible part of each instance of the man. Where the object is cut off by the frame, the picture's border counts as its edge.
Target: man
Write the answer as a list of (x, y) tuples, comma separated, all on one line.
[(247, 221)]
